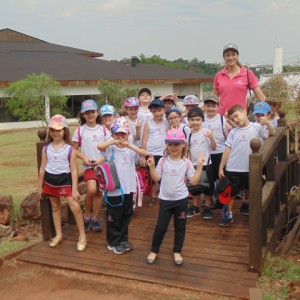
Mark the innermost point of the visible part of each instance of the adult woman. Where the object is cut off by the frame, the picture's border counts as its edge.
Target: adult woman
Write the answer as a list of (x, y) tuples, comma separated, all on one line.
[(232, 83)]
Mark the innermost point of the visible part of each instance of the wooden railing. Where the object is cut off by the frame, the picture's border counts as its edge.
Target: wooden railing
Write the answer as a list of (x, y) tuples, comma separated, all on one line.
[(273, 171)]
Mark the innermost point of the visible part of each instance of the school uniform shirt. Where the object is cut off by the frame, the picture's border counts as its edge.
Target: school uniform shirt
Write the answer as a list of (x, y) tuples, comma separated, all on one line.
[(58, 160), (215, 124), (143, 116), (199, 144), (238, 140), (234, 91), (90, 138), (124, 159), (132, 136), (156, 137), (274, 122), (173, 178)]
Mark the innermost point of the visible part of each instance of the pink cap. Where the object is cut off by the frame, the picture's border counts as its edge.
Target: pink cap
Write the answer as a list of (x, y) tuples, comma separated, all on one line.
[(132, 102), (58, 122), (175, 136)]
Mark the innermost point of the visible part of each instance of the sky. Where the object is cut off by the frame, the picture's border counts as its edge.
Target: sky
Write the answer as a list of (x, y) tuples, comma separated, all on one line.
[(169, 28)]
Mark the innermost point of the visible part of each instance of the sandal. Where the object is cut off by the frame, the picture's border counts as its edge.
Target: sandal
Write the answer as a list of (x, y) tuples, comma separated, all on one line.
[(151, 202)]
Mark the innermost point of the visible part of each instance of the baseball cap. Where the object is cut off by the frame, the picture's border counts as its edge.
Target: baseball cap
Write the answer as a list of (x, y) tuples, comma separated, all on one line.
[(168, 100), (261, 108), (88, 105), (171, 109), (231, 46), (120, 125), (107, 109), (195, 112), (190, 100), (144, 90), (131, 102), (212, 98), (157, 103), (58, 122), (175, 136)]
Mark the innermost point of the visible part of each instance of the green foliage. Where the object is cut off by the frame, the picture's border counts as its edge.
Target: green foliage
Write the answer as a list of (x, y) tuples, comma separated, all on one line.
[(276, 88), (114, 94), (26, 97), (179, 63), (7, 246)]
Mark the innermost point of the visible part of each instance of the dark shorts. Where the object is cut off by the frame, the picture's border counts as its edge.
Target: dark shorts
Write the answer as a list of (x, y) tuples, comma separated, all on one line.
[(238, 181), (210, 190), (216, 160)]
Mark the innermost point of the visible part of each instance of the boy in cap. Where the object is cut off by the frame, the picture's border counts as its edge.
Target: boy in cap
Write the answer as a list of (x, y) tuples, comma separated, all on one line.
[(189, 101), (154, 133), (200, 142), (218, 124), (260, 113)]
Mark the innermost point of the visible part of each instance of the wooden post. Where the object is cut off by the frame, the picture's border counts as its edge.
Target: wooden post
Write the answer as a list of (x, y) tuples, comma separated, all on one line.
[(255, 201), (48, 230)]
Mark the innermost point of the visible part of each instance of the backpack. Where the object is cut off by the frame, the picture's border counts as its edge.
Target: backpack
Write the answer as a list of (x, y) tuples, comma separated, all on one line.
[(108, 179), (80, 137), (144, 173)]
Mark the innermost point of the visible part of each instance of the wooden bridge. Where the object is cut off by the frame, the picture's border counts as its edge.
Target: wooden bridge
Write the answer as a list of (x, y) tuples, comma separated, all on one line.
[(216, 260)]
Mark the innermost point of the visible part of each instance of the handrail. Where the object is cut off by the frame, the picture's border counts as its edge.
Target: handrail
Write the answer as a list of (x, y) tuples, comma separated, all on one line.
[(267, 195)]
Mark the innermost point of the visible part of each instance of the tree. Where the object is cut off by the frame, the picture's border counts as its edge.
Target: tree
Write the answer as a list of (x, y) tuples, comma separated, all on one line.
[(276, 88), (28, 98), (114, 94)]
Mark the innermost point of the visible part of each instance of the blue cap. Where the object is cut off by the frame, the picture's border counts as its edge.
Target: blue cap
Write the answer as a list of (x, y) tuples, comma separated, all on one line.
[(173, 108), (107, 109), (88, 105), (156, 102), (261, 108)]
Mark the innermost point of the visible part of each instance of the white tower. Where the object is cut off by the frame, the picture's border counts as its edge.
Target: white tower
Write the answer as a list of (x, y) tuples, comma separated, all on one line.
[(278, 60)]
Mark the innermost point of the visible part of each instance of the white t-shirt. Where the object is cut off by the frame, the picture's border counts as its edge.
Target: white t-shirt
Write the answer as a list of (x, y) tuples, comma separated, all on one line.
[(199, 144), (132, 136), (173, 178), (186, 130), (238, 140), (156, 137), (90, 138), (58, 161), (124, 159), (143, 116), (215, 125)]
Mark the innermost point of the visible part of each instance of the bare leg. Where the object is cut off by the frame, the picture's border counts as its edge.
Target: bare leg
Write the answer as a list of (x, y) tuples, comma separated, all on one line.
[(56, 208)]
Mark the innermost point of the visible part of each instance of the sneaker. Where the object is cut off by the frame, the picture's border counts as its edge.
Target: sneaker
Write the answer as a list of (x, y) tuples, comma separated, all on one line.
[(87, 224), (127, 246), (117, 249), (239, 196), (95, 225), (193, 211), (225, 221), (207, 214), (244, 209)]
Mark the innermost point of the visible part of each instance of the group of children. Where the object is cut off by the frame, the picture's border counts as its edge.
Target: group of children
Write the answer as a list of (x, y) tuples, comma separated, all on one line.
[(176, 147)]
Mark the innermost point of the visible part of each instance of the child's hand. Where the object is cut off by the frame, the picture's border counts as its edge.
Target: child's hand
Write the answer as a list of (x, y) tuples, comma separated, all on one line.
[(76, 195), (150, 161), (209, 134), (40, 194), (86, 161), (200, 161), (263, 121), (221, 173)]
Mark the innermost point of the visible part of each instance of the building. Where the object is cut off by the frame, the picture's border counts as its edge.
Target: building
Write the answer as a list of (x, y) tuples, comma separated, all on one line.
[(80, 71)]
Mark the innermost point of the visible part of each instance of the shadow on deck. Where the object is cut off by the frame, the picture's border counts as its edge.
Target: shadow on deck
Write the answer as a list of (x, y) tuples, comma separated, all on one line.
[(215, 259)]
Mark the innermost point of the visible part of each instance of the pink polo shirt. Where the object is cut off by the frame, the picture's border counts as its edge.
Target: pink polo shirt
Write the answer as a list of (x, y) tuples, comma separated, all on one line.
[(233, 91)]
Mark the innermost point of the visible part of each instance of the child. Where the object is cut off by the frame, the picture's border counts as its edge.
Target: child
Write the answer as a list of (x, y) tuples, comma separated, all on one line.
[(217, 124), (200, 142), (173, 115), (58, 177), (236, 156), (144, 96), (87, 136), (260, 114), (172, 170), (118, 212), (132, 105), (189, 101), (107, 113), (153, 138), (273, 116), (169, 100)]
